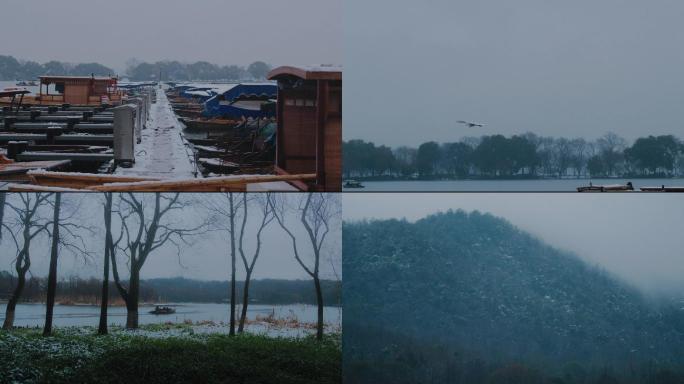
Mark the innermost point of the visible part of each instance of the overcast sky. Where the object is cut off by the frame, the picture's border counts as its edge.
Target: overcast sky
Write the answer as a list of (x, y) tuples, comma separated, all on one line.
[(639, 238), (207, 258), (219, 31), (559, 68)]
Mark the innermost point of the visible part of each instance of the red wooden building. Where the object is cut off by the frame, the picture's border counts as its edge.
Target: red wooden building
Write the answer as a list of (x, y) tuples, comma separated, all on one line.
[(309, 116), (78, 90)]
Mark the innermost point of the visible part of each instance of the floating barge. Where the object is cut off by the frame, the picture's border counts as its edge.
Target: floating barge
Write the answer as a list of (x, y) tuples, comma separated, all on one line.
[(662, 188), (11, 171), (607, 188), (74, 90)]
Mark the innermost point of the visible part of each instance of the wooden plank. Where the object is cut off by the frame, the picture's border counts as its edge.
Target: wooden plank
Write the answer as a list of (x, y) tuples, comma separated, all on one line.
[(37, 188), (302, 186), (214, 184), (81, 180)]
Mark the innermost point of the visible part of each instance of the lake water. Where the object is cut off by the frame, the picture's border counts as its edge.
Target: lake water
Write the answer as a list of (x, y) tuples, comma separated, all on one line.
[(551, 185), (88, 315)]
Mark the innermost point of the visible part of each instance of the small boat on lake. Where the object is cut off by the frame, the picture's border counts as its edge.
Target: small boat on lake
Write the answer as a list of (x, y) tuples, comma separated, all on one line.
[(607, 188), (353, 184), (662, 188), (163, 310)]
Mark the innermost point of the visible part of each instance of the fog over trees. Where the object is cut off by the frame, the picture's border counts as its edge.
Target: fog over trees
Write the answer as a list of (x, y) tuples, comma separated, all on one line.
[(170, 70)]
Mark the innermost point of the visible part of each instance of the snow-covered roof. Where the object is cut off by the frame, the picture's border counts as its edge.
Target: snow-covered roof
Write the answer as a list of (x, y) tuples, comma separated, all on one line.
[(308, 72)]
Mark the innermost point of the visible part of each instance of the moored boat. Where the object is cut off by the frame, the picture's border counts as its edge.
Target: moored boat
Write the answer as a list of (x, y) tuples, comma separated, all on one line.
[(662, 188), (353, 184), (607, 188), (208, 125), (219, 165)]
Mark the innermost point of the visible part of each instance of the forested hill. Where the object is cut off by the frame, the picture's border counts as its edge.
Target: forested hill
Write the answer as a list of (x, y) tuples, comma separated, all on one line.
[(458, 288), (178, 289)]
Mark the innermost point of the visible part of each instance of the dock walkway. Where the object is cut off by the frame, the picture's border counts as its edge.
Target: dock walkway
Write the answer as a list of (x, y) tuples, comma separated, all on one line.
[(163, 153)]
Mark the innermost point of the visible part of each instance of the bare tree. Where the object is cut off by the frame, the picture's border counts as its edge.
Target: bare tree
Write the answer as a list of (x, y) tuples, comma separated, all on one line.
[(71, 239), (110, 249), (611, 149), (229, 213), (315, 210), (52, 274), (266, 218), (27, 226), (3, 198), (143, 235)]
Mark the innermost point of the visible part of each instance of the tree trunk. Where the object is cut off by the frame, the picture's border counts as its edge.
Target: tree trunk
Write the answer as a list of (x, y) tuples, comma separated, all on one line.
[(245, 301), (52, 275), (232, 266), (319, 302), (3, 197), (12, 303), (132, 302), (104, 301)]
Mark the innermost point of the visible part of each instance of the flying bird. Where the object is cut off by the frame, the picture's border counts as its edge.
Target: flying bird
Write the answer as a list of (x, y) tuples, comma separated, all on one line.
[(470, 124)]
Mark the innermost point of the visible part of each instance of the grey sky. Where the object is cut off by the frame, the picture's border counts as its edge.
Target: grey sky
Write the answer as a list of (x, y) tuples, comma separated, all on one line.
[(558, 68), (639, 238), (207, 258), (218, 31)]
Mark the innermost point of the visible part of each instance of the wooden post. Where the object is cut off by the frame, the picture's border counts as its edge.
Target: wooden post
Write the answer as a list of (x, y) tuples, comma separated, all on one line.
[(321, 121)]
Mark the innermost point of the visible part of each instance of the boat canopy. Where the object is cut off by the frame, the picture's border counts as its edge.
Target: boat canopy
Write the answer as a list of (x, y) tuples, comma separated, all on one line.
[(242, 100)]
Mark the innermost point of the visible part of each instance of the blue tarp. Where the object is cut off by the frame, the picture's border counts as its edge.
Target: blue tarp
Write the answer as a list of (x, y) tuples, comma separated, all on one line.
[(223, 104), (201, 93)]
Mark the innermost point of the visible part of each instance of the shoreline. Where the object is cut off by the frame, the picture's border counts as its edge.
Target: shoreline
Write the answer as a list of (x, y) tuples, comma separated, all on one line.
[(388, 179), (141, 304)]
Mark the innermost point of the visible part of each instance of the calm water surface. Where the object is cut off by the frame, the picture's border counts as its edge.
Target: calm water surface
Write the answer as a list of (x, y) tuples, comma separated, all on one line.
[(88, 315)]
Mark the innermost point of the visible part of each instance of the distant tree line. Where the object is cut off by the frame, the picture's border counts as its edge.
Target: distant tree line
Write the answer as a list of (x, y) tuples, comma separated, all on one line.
[(13, 69), (176, 290), (201, 70), (518, 156)]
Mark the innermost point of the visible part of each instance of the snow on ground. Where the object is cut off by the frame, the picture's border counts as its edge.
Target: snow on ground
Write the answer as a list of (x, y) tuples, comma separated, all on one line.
[(163, 152), (261, 328), (202, 329)]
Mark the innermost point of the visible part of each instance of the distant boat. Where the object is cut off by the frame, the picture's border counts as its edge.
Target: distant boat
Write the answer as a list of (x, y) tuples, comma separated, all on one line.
[(162, 310), (27, 84), (353, 184), (662, 188), (607, 188)]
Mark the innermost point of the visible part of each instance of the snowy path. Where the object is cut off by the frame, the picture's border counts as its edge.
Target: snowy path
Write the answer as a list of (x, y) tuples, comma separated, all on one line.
[(163, 152)]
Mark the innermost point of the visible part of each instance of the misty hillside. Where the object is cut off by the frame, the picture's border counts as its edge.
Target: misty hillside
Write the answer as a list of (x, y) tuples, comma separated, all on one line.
[(476, 282)]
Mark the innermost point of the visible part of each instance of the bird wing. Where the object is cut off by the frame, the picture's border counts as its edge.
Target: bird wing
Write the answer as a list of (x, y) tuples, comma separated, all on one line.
[(462, 122)]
